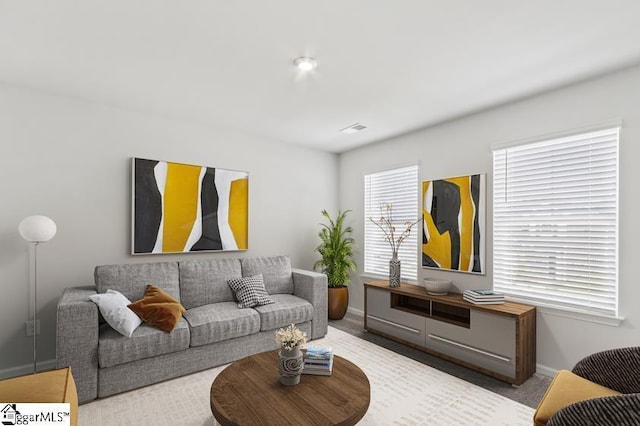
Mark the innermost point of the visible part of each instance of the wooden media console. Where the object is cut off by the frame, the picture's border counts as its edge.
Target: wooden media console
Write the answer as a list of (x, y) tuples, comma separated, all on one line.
[(497, 340)]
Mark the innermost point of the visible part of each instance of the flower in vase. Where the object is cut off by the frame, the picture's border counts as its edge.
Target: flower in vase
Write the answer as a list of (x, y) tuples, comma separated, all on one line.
[(290, 337), (391, 234)]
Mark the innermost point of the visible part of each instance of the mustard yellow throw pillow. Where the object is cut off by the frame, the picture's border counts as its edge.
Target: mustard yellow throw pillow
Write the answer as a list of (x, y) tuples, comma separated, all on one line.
[(158, 309)]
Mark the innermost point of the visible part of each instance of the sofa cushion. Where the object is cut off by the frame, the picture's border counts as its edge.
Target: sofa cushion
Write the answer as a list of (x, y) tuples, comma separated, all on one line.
[(221, 321), (250, 291), (205, 281), (287, 309), (275, 270), (146, 342), (158, 309), (131, 279)]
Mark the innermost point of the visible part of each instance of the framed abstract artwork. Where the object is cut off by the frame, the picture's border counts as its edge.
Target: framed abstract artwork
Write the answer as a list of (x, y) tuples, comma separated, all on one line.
[(183, 208), (453, 226)]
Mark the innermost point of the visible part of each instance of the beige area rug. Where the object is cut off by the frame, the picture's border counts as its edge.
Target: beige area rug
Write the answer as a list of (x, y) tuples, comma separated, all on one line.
[(403, 392)]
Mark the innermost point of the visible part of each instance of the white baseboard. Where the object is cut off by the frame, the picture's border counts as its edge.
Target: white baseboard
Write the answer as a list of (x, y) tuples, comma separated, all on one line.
[(22, 370), (543, 370), (355, 311)]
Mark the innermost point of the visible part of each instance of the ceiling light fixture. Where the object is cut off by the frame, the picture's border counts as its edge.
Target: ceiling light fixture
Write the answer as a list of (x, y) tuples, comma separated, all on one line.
[(305, 63), (354, 128)]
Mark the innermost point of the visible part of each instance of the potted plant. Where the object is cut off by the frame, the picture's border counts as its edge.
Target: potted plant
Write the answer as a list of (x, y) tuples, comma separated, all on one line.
[(336, 251)]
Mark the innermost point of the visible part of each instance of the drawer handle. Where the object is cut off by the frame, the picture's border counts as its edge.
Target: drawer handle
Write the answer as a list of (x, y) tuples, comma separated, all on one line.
[(471, 348), (404, 327)]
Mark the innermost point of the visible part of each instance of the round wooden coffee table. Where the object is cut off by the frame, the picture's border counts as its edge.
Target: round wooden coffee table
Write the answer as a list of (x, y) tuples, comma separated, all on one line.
[(248, 392)]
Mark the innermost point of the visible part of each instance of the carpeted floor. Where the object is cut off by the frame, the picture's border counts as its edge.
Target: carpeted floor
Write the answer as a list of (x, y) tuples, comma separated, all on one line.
[(529, 393), (403, 392)]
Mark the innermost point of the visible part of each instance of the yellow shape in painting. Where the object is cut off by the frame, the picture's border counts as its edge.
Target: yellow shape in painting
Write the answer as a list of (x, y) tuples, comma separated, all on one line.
[(465, 220), (439, 246), (239, 211), (180, 205)]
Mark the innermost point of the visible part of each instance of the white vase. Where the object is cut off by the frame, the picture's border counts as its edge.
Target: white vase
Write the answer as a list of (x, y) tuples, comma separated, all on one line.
[(290, 365), (394, 271)]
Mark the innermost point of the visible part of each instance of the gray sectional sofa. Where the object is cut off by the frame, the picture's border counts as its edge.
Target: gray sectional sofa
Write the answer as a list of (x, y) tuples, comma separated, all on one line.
[(213, 331)]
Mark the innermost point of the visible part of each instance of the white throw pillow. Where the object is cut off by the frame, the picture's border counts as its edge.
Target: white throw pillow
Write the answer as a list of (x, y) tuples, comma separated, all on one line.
[(114, 309)]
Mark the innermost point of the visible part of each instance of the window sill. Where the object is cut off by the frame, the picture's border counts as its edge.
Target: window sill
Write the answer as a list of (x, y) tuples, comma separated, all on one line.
[(576, 315)]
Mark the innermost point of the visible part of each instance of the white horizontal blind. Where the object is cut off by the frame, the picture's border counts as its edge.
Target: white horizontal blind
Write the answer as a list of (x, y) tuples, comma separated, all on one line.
[(400, 188), (555, 222)]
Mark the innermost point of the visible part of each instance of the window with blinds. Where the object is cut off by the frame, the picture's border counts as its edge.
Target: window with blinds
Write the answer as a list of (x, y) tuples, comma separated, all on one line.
[(555, 222), (400, 188)]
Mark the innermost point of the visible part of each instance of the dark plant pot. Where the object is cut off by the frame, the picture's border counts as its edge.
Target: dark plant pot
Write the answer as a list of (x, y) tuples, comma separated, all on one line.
[(338, 302)]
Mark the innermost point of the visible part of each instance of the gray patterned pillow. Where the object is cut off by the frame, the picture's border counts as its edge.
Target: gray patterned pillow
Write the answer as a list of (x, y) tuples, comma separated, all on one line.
[(250, 291)]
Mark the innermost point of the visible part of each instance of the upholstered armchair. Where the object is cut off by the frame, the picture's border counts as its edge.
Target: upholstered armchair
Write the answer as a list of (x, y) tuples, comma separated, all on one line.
[(602, 389)]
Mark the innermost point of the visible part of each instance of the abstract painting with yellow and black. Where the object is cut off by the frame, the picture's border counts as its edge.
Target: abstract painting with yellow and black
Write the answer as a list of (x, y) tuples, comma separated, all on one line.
[(181, 208), (453, 214)]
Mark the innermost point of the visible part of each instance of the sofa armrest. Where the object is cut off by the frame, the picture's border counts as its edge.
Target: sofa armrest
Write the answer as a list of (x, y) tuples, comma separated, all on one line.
[(312, 286), (77, 339), (608, 410), (617, 369)]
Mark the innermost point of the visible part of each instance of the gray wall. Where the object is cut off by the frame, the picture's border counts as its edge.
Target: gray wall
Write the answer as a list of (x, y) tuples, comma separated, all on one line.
[(70, 160), (463, 146)]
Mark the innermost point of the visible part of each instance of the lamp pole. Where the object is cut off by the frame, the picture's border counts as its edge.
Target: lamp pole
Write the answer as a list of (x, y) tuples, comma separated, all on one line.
[(35, 305), (36, 230)]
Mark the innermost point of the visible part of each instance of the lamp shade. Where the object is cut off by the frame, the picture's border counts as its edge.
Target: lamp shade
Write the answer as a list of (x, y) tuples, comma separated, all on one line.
[(37, 229)]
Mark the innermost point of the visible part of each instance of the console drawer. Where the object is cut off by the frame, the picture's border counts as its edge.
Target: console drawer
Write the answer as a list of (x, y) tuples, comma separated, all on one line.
[(493, 333), (488, 343), (381, 317)]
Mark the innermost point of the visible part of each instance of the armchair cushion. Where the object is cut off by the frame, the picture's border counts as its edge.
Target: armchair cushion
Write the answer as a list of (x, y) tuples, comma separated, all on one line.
[(620, 410), (618, 369), (565, 389)]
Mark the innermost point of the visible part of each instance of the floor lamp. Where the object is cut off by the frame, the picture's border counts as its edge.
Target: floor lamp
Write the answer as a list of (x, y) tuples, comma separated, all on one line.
[(36, 230)]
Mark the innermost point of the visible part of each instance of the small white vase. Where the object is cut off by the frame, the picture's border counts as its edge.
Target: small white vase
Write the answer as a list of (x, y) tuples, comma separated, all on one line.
[(290, 365)]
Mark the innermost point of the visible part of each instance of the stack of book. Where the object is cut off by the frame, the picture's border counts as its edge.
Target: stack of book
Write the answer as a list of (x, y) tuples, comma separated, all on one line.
[(318, 360), (483, 297)]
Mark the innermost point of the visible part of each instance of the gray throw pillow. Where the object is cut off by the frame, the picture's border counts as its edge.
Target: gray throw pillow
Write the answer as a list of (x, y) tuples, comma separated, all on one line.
[(250, 291)]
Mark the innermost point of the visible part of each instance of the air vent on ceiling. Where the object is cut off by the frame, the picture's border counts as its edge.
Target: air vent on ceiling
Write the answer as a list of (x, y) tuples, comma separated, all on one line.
[(354, 128)]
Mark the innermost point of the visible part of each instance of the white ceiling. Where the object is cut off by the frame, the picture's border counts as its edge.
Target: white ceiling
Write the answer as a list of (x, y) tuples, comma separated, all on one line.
[(394, 66)]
